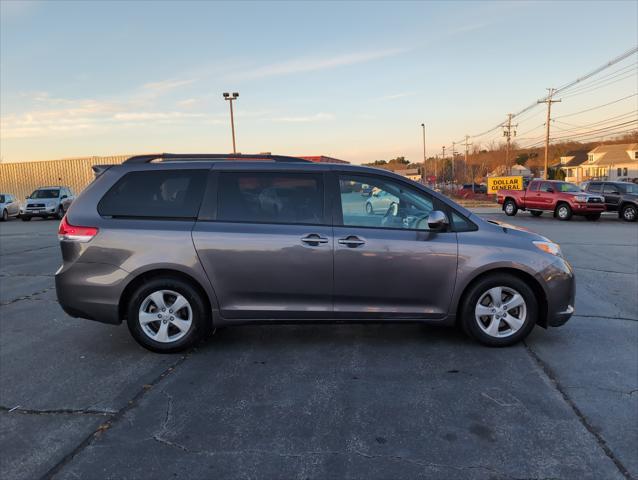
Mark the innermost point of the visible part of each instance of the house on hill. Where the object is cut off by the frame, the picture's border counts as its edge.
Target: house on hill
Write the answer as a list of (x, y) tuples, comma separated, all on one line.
[(612, 162), (571, 164)]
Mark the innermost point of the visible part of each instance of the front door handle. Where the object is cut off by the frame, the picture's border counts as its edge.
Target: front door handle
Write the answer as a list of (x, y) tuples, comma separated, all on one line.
[(314, 239), (351, 241)]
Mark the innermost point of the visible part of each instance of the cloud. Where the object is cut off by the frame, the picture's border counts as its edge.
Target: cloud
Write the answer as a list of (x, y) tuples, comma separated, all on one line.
[(395, 96), (318, 117), (303, 65), (167, 85)]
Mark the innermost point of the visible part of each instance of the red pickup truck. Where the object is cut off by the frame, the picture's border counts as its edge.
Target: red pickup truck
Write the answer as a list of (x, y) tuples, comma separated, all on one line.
[(562, 198)]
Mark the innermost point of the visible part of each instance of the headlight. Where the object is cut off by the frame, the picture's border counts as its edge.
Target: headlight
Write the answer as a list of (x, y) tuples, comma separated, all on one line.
[(549, 247), (581, 198)]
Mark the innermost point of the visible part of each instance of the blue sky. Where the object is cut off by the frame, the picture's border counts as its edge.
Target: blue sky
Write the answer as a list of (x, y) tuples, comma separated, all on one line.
[(350, 80)]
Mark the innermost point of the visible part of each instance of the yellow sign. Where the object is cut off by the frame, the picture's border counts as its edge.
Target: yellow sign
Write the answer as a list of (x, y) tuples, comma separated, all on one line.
[(494, 184)]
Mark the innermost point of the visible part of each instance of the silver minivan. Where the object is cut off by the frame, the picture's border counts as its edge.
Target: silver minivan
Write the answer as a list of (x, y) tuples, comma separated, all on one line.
[(177, 245)]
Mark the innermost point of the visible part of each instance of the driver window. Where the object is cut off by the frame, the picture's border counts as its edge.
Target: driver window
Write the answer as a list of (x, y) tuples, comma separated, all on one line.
[(382, 203)]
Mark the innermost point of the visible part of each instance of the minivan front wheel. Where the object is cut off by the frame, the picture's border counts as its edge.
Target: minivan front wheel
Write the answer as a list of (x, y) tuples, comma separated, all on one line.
[(499, 310), (167, 315)]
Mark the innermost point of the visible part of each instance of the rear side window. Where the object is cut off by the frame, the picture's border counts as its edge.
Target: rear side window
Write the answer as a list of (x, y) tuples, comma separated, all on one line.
[(159, 194), (534, 186), (594, 187), (295, 198)]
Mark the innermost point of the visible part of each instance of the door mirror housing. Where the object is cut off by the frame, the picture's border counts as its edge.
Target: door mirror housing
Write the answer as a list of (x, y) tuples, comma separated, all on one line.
[(27, 197), (437, 220), (63, 197)]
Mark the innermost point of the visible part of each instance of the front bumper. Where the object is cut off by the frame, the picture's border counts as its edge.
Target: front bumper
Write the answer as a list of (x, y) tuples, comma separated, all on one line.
[(586, 208), (560, 289)]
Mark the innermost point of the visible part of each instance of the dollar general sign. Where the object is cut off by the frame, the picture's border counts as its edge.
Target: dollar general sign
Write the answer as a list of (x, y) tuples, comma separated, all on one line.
[(494, 184)]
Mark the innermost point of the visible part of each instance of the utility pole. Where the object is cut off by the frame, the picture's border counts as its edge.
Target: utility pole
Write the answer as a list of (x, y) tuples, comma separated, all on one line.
[(425, 178), (467, 151), (549, 102), (443, 157), (453, 158), (235, 96), (507, 133)]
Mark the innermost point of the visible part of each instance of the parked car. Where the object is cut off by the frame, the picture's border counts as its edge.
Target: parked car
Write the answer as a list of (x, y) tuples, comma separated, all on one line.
[(379, 201), (177, 245), (475, 188), (621, 197), (562, 198), (47, 202), (9, 206)]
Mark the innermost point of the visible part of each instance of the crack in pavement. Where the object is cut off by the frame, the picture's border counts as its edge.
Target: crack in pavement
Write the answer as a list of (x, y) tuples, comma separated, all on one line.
[(57, 411), (422, 463), (579, 414), (27, 251), (605, 389), (608, 318), (27, 297), (604, 271), (19, 275), (114, 418)]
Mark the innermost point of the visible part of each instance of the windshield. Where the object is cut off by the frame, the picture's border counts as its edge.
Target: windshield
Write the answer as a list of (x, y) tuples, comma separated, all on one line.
[(567, 187), (46, 193)]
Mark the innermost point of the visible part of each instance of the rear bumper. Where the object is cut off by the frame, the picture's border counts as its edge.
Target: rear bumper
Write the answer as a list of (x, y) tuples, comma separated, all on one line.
[(91, 290)]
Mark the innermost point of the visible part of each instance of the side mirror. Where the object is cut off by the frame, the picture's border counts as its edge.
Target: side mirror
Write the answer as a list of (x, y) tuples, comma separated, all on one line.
[(63, 197), (437, 220), (27, 197)]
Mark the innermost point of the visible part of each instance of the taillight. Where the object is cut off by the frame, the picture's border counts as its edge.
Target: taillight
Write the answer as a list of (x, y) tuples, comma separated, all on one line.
[(74, 232)]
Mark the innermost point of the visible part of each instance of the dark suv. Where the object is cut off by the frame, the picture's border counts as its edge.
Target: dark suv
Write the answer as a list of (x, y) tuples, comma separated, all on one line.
[(180, 244), (621, 197)]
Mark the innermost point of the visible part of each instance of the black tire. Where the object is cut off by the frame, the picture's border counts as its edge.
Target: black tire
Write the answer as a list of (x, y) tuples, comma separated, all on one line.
[(563, 212), (200, 325), (592, 217), (629, 213), (5, 215), (478, 289), (60, 213), (25, 219), (509, 207), (536, 213), (369, 209)]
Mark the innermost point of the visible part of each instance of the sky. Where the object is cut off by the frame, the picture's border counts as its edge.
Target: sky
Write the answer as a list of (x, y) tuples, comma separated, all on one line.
[(349, 80)]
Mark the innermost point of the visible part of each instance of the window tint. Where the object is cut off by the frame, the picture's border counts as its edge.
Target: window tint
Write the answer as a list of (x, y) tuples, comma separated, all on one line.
[(382, 203), (609, 188), (546, 187), (159, 194), (270, 198), (4, 199), (594, 187), (534, 186)]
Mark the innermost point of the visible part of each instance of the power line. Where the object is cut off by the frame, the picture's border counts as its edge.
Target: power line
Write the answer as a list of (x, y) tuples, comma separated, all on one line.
[(598, 106), (598, 87)]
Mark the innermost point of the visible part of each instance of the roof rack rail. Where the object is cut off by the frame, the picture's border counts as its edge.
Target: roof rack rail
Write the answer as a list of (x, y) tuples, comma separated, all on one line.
[(171, 157)]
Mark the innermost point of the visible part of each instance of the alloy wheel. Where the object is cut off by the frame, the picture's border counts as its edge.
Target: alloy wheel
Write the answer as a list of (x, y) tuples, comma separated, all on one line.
[(500, 312), (629, 213), (165, 316)]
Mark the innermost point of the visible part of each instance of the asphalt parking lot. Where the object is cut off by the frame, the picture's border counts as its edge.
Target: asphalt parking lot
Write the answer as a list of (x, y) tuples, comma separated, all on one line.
[(80, 399)]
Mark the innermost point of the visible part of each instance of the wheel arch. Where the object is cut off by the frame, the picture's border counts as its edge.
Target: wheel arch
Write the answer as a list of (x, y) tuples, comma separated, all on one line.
[(145, 276), (526, 277)]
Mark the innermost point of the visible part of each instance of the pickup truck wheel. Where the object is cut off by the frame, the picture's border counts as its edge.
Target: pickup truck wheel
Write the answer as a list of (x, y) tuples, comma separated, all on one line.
[(563, 212), (60, 212), (25, 218), (629, 213), (510, 207), (536, 213), (592, 217)]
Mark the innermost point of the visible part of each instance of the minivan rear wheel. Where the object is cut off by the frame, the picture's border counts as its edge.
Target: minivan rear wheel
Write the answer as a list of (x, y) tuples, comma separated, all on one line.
[(499, 310), (167, 315)]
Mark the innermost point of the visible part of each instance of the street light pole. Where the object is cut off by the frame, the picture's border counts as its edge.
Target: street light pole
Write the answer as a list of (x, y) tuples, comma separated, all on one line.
[(230, 98), (424, 157)]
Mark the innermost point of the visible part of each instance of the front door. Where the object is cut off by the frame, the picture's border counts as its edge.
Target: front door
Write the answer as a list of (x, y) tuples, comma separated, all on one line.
[(268, 249), (387, 263)]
